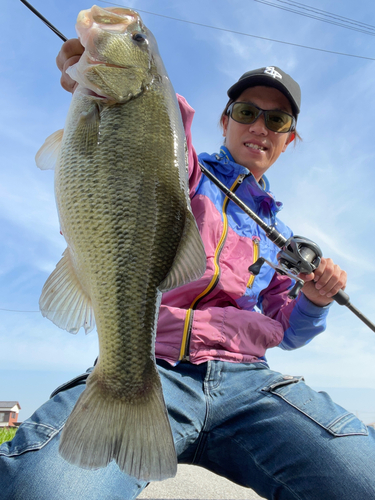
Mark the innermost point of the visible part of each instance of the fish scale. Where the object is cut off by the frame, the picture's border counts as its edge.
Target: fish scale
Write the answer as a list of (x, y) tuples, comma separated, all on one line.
[(124, 209)]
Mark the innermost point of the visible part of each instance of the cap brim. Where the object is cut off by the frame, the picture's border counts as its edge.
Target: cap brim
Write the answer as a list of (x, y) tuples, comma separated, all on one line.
[(254, 80)]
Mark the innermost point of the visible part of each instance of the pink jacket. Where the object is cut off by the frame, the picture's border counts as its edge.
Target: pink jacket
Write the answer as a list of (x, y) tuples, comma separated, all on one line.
[(228, 314)]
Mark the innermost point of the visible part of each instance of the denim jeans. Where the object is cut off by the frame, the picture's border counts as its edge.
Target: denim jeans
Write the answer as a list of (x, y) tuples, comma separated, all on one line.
[(254, 426)]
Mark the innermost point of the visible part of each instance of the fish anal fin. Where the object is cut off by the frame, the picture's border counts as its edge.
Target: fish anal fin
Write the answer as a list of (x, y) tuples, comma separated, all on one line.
[(190, 260), (63, 300), (47, 155), (136, 434)]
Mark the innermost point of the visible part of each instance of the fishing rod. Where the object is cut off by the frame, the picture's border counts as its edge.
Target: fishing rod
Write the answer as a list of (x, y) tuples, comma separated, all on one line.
[(297, 254), (51, 26)]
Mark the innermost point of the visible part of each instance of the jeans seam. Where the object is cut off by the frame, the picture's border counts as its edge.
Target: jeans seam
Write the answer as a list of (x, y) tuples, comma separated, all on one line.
[(240, 445), (206, 383), (39, 424), (202, 436)]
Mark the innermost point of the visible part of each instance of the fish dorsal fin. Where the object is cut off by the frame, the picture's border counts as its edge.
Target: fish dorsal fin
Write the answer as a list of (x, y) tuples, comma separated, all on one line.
[(63, 300), (190, 260), (47, 155)]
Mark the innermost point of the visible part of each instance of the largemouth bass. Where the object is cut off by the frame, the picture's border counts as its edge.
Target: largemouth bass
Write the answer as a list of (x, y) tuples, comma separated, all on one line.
[(122, 198)]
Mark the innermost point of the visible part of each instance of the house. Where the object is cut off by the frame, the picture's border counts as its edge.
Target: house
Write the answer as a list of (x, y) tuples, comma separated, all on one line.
[(9, 413)]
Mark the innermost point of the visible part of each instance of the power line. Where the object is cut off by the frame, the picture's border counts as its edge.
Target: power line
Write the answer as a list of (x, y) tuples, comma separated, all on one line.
[(18, 311), (337, 22), (326, 13), (242, 33)]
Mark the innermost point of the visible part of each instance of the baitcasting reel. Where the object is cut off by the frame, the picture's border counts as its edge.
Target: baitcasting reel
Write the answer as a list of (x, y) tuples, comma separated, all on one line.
[(297, 255)]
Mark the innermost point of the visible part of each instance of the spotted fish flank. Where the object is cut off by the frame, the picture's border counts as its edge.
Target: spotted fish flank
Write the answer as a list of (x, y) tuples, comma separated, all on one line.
[(122, 197)]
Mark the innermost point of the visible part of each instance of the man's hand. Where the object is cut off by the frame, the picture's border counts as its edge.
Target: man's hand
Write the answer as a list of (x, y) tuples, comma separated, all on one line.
[(69, 54), (324, 282)]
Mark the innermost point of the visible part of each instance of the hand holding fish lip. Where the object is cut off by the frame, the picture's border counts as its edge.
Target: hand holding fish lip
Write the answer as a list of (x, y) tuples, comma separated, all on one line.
[(69, 54)]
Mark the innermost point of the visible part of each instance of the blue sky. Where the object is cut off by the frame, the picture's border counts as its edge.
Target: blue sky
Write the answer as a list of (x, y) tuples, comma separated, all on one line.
[(326, 182)]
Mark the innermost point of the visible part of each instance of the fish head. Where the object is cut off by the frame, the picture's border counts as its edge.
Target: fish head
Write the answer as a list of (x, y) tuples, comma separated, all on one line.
[(120, 54)]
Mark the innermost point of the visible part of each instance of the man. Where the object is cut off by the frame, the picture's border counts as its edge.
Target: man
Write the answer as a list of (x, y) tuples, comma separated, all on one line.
[(228, 411)]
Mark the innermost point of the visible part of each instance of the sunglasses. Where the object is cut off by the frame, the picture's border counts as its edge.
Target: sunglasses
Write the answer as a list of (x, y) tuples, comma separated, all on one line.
[(247, 113)]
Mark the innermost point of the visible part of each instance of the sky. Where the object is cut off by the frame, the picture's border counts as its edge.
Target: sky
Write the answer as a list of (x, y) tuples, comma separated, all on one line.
[(326, 182)]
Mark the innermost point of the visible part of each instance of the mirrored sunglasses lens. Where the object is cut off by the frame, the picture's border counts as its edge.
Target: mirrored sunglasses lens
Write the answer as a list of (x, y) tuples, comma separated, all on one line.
[(277, 121), (244, 113)]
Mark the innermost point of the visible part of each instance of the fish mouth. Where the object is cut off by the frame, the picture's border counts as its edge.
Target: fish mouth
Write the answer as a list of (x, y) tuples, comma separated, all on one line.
[(95, 62), (91, 93), (110, 19)]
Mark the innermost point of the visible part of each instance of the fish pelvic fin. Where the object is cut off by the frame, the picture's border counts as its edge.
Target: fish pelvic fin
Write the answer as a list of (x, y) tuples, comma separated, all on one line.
[(47, 155), (136, 434), (190, 260), (63, 300)]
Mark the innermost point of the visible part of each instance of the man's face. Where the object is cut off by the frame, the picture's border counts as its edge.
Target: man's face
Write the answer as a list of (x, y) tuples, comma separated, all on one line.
[(255, 146)]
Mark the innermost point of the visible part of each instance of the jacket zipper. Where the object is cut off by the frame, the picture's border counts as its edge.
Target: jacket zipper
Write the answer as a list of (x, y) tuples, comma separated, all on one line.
[(255, 258), (185, 344)]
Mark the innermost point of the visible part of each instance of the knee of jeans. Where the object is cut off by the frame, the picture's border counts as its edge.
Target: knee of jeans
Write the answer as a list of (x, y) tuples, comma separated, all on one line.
[(45, 423)]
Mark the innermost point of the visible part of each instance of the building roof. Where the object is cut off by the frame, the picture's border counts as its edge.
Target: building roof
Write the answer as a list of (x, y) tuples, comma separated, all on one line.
[(9, 404)]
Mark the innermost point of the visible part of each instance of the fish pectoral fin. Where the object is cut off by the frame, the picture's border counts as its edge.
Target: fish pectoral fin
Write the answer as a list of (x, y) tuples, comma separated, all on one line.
[(63, 300), (190, 260), (134, 433), (47, 155), (87, 127)]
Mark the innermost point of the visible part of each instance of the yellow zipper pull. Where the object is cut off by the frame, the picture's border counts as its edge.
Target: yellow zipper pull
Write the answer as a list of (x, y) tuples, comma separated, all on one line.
[(256, 240)]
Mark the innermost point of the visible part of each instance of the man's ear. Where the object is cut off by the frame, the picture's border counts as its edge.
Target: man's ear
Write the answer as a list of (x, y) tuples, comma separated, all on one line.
[(225, 124), (290, 139)]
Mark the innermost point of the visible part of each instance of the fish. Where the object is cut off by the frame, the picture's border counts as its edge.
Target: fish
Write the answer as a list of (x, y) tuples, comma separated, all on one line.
[(121, 189)]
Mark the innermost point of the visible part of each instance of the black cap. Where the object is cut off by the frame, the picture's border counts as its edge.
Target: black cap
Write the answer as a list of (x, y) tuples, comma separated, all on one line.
[(270, 76)]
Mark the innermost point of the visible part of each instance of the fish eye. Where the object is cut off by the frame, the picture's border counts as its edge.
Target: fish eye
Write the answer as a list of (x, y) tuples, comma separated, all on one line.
[(139, 37)]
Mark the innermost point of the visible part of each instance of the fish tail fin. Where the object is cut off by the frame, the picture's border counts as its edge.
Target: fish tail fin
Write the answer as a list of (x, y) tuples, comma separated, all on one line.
[(136, 434)]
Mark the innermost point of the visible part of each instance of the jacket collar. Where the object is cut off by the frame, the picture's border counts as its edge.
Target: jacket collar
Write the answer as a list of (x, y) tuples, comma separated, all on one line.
[(224, 163), (263, 181)]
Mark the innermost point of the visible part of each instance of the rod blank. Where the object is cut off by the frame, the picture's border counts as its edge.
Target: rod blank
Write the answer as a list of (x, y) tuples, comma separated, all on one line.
[(51, 26)]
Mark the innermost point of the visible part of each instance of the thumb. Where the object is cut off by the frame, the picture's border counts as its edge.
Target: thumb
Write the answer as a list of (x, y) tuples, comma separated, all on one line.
[(307, 277)]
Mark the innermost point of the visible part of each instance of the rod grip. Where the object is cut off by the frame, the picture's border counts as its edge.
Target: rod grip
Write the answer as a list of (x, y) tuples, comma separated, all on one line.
[(341, 298)]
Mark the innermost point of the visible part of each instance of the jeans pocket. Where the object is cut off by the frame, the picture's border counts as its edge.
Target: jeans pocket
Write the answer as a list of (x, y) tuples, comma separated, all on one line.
[(47, 421), (317, 406)]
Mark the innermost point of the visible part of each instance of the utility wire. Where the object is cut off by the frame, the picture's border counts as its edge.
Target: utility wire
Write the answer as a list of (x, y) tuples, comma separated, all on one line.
[(326, 13), (242, 33), (18, 311), (338, 22)]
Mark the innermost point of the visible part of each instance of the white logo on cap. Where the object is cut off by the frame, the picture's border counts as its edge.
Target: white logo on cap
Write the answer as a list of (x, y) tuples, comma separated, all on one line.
[(270, 70)]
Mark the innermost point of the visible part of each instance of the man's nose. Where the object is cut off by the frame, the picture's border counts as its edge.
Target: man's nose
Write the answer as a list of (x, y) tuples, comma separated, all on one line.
[(259, 126)]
